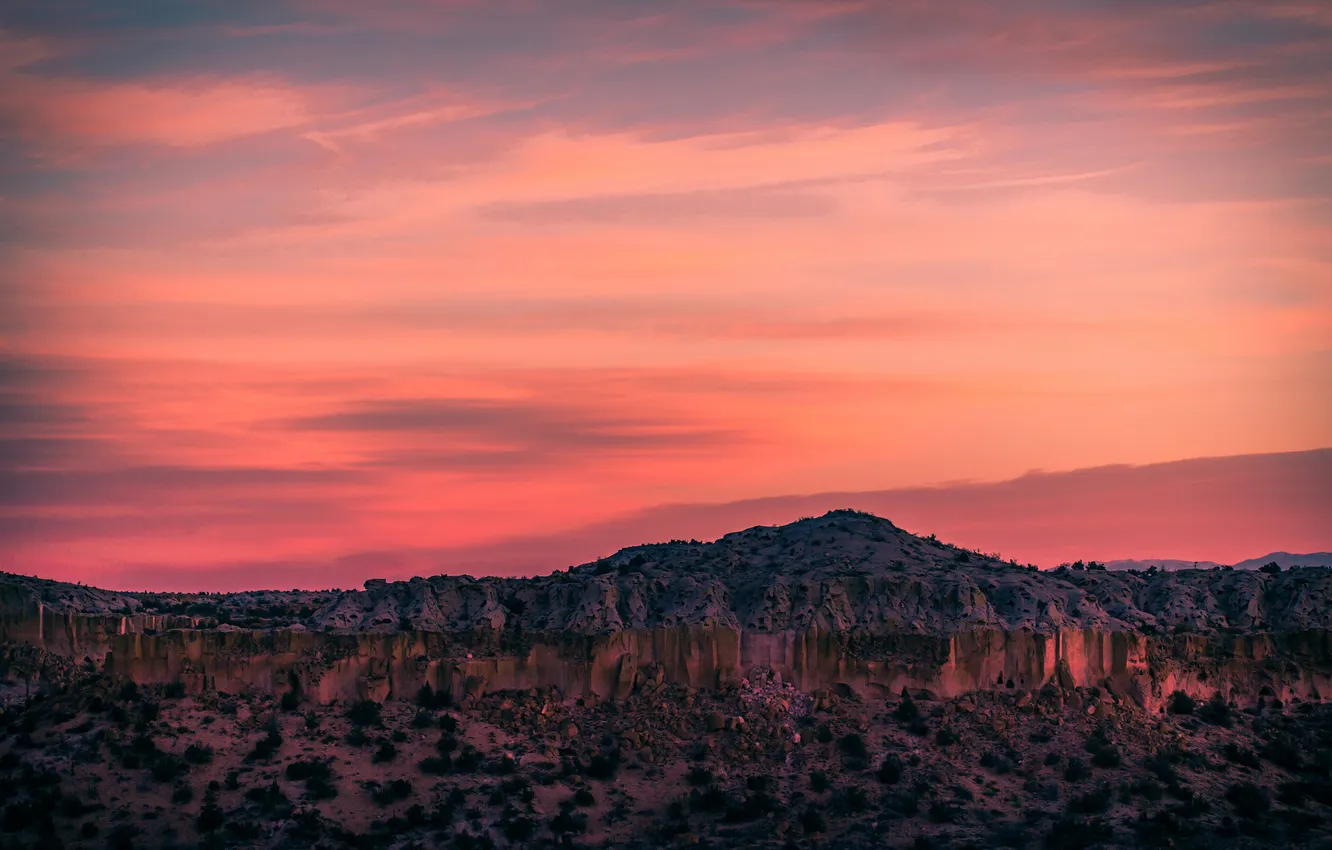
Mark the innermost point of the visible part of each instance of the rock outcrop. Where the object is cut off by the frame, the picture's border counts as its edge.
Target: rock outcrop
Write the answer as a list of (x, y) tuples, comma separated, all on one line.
[(845, 600)]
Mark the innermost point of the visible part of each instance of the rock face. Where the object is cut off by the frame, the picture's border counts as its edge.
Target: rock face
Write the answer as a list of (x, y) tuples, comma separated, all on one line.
[(845, 600)]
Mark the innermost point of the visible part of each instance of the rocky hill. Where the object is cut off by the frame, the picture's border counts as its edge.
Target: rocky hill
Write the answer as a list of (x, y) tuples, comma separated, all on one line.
[(846, 599)]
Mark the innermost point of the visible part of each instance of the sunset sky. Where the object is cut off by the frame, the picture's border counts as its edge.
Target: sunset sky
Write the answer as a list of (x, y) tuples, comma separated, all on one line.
[(292, 284)]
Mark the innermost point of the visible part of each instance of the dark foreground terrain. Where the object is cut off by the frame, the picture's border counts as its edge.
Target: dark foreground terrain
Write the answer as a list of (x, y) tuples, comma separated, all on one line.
[(754, 765)]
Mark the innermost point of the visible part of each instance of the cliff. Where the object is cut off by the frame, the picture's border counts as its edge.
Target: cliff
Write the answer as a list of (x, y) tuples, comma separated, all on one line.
[(845, 600)]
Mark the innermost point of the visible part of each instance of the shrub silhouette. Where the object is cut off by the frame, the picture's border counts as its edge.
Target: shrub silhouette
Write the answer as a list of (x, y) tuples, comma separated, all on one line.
[(1250, 801)]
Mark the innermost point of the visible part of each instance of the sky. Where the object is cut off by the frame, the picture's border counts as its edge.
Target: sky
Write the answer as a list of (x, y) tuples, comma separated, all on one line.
[(312, 290)]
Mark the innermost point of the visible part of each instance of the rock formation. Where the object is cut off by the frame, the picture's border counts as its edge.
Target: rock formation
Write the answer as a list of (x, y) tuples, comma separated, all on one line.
[(847, 600)]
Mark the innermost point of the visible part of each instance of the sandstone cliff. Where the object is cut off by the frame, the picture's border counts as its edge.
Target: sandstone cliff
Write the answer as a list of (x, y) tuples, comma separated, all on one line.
[(845, 600)]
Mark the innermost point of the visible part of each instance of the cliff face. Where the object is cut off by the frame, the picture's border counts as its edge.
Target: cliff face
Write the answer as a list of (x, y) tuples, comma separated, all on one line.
[(846, 600)]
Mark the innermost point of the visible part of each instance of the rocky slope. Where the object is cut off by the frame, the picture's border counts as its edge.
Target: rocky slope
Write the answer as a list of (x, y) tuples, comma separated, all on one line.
[(846, 600)]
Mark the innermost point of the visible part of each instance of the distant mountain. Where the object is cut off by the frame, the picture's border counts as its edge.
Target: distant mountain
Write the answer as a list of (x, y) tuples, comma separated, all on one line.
[(1285, 559)]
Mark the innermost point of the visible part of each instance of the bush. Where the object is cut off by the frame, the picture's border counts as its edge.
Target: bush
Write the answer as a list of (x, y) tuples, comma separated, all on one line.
[(300, 771), (604, 765), (198, 754), (398, 789), (1250, 801), (890, 772), (584, 797), (907, 712), (1091, 803), (435, 765), (1076, 770), (1106, 756), (211, 817), (167, 768), (812, 821), (182, 794), (818, 781), (853, 745), (290, 701), (946, 737), (1215, 711), (174, 690), (699, 776), (1180, 703), (1240, 756), (365, 712), (386, 753), (266, 747)]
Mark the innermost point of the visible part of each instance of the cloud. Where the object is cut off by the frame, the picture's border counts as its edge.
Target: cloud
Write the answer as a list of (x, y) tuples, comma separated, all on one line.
[(148, 485), (540, 425), (178, 114), (664, 208)]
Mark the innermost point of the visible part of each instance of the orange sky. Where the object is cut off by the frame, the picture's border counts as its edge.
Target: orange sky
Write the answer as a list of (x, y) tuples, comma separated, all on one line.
[(305, 279)]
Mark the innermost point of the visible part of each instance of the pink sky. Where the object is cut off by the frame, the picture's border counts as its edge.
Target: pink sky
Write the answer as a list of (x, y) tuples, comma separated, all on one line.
[(290, 282)]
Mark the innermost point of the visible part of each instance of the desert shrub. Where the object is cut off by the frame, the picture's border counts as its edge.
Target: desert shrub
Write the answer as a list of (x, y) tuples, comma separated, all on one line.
[(211, 817), (942, 812), (1052, 759), (699, 776), (1180, 703), (174, 690), (232, 782), (398, 789), (424, 719), (812, 821), (1249, 800), (818, 781), (290, 701), (386, 753), (1070, 833), (1106, 756), (907, 712), (584, 797), (604, 765), (568, 821), (435, 765), (446, 744), (850, 800), (996, 763), (303, 769), (890, 771), (852, 745), (823, 734), (266, 747), (1148, 789), (1076, 771), (1240, 755), (311, 721), (946, 737), (17, 817), (129, 692), (468, 760), (198, 754), (1215, 711), (357, 737), (448, 723), (1283, 753), (166, 768), (182, 794), (1093, 802), (365, 712)]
